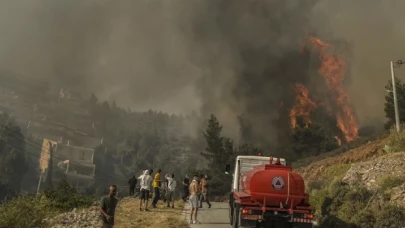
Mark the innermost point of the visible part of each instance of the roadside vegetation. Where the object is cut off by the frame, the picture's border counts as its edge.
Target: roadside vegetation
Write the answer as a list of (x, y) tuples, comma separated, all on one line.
[(338, 204), (30, 210)]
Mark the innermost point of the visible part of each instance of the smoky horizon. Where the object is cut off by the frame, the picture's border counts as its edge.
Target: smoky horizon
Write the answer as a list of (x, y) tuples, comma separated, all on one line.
[(230, 58)]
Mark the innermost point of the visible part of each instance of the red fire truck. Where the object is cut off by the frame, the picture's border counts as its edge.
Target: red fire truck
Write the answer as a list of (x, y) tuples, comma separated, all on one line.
[(267, 193)]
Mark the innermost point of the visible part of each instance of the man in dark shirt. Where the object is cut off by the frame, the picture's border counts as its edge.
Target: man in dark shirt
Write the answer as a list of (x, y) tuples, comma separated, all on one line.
[(132, 184), (186, 183), (107, 208)]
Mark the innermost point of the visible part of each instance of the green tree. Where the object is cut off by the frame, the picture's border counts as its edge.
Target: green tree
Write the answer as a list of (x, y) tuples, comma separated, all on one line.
[(312, 140), (389, 103), (13, 162), (218, 149)]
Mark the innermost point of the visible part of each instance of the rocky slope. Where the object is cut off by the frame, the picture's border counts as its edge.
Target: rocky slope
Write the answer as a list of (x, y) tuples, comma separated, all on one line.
[(75, 219), (317, 170), (127, 216), (356, 188), (383, 174)]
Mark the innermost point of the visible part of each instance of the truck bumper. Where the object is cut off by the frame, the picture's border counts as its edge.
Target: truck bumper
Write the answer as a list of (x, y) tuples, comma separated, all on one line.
[(269, 219)]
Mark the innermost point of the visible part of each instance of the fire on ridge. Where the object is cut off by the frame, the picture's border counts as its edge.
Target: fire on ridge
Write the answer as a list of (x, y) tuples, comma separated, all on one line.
[(333, 69)]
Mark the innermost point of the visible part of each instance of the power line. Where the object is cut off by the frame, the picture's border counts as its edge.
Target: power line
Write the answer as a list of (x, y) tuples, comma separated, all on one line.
[(41, 148), (39, 157)]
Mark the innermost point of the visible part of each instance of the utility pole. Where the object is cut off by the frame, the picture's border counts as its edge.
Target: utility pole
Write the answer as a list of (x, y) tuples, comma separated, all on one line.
[(394, 91), (50, 165), (39, 183)]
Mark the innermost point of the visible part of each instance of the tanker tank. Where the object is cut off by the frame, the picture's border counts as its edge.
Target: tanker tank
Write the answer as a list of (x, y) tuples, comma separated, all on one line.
[(274, 185)]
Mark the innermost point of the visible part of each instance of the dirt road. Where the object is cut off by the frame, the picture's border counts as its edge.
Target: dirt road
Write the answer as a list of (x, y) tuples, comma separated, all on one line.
[(214, 217)]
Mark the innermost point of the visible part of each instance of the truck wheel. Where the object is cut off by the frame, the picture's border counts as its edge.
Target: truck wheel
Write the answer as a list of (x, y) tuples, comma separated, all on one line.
[(231, 200), (231, 215), (235, 216)]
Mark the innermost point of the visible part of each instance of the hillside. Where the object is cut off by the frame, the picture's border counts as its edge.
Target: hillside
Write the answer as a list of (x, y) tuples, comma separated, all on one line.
[(127, 216), (362, 187)]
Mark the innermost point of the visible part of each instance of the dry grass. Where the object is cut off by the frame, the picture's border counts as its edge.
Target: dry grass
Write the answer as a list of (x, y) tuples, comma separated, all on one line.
[(317, 169), (128, 215)]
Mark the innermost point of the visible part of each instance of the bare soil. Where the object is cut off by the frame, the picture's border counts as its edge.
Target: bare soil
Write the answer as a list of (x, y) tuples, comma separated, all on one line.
[(363, 153)]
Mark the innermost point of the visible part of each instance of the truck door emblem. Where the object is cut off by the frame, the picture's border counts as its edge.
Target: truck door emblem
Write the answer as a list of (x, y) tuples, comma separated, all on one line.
[(278, 183)]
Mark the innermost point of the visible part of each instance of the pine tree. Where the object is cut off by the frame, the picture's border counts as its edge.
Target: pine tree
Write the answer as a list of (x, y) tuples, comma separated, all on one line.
[(218, 149), (389, 103)]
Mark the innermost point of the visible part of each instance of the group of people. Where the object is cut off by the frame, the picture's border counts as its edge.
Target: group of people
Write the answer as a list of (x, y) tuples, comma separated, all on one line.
[(195, 192), (146, 182)]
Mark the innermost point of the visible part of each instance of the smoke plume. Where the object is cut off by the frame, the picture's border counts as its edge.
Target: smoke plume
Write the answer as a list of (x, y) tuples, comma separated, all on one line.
[(221, 56)]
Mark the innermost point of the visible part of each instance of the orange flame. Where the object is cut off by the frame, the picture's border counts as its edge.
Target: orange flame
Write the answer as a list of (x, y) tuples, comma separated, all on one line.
[(303, 107), (333, 69)]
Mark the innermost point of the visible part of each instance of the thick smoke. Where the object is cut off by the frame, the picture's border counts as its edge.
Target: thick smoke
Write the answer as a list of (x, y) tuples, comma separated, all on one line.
[(375, 33), (252, 51), (221, 56), (128, 51)]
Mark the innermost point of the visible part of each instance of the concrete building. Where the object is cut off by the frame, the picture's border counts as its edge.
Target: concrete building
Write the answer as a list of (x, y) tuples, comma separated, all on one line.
[(58, 117), (75, 163)]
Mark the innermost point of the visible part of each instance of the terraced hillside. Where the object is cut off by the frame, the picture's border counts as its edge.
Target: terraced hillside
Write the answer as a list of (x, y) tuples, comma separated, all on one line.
[(362, 187)]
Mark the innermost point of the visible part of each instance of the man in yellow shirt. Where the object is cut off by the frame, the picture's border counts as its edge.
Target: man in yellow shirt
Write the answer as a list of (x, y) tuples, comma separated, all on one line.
[(156, 188)]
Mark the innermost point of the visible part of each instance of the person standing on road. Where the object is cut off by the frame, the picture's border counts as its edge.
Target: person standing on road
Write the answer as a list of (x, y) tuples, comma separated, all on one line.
[(156, 188), (193, 199), (145, 183), (186, 192), (171, 187), (107, 208), (204, 191), (132, 184)]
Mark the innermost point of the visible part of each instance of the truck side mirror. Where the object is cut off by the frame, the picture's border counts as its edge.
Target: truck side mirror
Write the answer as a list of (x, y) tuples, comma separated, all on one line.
[(227, 169)]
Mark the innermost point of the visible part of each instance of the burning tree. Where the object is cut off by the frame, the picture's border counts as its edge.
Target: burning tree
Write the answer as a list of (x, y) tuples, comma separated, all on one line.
[(320, 117), (333, 69)]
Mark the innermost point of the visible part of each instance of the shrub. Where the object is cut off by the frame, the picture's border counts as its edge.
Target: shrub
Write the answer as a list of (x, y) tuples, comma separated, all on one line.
[(338, 191), (364, 219), (396, 141), (331, 221), (30, 210), (390, 216), (389, 182), (64, 197), (336, 205), (25, 211), (348, 209), (316, 200), (316, 185), (336, 171)]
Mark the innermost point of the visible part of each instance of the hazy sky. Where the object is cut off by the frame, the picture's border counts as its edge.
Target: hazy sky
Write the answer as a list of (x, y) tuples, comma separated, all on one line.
[(182, 55)]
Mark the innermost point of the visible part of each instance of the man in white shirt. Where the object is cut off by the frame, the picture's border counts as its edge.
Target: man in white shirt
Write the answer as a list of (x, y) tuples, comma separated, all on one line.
[(171, 187), (145, 183)]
